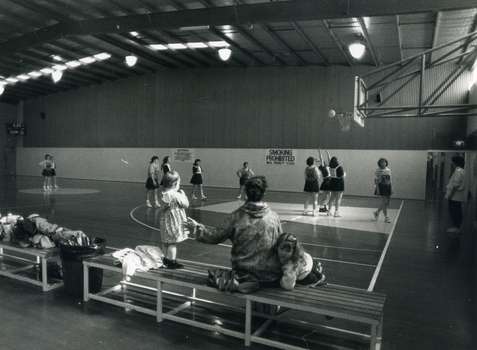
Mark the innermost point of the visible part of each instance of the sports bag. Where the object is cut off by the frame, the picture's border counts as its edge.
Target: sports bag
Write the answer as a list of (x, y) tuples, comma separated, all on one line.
[(229, 281)]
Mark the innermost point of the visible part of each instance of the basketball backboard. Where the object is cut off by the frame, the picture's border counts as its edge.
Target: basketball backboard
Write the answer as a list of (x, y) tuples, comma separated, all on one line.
[(360, 97)]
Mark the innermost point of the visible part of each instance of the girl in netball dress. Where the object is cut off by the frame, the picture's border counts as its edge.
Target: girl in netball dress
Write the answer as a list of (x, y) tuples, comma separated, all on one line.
[(383, 188), (196, 179), (311, 185), (165, 167), (336, 186), (325, 185), (152, 182), (47, 172)]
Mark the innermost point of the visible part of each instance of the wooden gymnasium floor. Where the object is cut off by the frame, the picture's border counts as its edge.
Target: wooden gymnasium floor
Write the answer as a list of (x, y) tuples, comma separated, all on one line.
[(429, 276)]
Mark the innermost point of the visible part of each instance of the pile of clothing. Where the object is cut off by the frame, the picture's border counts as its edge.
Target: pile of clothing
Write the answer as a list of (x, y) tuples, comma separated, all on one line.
[(143, 258), (34, 231)]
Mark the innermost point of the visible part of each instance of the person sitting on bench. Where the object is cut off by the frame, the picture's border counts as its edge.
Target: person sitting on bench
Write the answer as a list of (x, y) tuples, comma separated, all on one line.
[(253, 230)]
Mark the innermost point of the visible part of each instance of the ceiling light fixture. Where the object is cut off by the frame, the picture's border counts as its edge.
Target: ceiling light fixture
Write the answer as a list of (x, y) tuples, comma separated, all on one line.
[(197, 45), (357, 48), (194, 28), (87, 60), (131, 60), (225, 54), (158, 47), (56, 76), (2, 89), (102, 56), (71, 64), (218, 43), (177, 46)]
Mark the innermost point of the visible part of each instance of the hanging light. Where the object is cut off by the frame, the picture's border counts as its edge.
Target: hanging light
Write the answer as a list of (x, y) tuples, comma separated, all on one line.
[(2, 89), (131, 60), (225, 53), (56, 75), (357, 49)]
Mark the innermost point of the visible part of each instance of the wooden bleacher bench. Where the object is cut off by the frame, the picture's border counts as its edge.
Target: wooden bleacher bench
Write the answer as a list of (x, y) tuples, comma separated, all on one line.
[(339, 302), (19, 264)]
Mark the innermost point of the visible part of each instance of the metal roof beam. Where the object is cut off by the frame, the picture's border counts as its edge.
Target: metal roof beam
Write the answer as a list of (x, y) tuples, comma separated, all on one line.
[(283, 11)]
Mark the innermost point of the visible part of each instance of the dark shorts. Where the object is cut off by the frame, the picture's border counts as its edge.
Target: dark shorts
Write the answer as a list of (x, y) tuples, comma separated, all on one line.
[(311, 186), (196, 179), (337, 185), (243, 180), (150, 184), (385, 189), (325, 185), (46, 172)]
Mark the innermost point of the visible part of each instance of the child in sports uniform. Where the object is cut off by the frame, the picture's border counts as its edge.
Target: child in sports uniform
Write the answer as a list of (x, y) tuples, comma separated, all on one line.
[(196, 179), (383, 188)]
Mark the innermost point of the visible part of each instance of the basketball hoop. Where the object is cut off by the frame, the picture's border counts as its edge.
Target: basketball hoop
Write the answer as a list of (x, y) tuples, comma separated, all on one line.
[(345, 120)]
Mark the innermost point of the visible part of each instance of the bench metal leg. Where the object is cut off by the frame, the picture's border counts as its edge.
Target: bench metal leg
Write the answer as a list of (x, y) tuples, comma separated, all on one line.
[(85, 282), (44, 274), (374, 332), (248, 322), (159, 302)]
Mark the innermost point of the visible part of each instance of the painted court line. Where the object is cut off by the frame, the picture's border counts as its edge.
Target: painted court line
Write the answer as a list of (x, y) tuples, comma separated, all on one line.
[(383, 255)]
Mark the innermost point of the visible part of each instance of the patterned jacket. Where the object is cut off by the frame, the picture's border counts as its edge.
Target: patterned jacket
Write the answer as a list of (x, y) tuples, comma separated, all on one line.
[(253, 230)]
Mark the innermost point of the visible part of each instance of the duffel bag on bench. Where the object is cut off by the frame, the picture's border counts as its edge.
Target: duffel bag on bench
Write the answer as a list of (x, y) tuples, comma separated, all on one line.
[(228, 280)]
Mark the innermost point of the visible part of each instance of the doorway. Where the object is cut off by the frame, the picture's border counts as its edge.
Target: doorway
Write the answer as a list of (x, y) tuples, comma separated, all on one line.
[(440, 169)]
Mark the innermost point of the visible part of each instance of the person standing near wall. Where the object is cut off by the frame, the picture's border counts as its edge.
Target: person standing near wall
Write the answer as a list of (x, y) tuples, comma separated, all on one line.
[(53, 172), (383, 188), (152, 182), (325, 185), (196, 179), (165, 167), (244, 174), (456, 194), (336, 186), (311, 185), (46, 166)]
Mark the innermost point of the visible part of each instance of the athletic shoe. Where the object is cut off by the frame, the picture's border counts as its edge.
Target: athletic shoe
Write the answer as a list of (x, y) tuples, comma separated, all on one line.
[(315, 213), (387, 219), (44, 188), (194, 197), (148, 204), (304, 213), (56, 187), (376, 215), (328, 213), (453, 230), (203, 197), (173, 264), (158, 205), (337, 214), (239, 197)]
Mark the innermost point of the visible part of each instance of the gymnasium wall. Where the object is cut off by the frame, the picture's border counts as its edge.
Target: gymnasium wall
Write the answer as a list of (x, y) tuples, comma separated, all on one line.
[(220, 166), (8, 114), (234, 108)]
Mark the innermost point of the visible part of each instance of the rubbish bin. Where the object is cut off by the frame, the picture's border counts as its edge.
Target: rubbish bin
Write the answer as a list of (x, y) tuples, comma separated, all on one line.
[(72, 257)]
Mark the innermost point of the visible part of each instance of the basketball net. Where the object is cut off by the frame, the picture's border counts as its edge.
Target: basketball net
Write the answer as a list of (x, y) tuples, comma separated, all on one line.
[(345, 120)]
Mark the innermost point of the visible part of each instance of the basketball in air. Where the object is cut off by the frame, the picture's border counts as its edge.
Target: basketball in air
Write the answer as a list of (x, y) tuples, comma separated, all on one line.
[(331, 113)]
